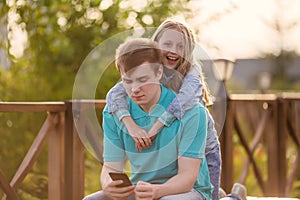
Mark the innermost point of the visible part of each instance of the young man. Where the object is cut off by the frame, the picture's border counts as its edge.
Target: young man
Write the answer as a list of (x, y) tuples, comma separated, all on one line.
[(174, 167)]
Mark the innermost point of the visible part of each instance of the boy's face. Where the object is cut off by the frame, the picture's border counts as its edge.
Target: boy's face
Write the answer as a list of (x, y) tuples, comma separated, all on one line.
[(142, 85)]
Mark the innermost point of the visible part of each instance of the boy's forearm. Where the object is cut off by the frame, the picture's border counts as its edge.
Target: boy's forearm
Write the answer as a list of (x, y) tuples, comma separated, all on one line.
[(183, 181), (180, 183)]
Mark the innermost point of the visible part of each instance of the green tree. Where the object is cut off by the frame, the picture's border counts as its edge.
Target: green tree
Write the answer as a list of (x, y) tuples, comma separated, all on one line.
[(59, 35), (283, 55)]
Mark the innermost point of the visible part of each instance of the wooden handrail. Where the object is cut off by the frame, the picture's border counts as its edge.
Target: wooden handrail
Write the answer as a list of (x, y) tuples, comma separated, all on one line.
[(66, 152), (32, 106), (252, 97), (46, 106)]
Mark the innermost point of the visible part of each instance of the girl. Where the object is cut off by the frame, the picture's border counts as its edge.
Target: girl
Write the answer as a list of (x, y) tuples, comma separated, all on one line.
[(177, 42)]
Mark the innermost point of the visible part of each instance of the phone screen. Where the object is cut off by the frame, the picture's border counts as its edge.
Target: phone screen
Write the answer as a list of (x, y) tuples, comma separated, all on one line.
[(120, 176)]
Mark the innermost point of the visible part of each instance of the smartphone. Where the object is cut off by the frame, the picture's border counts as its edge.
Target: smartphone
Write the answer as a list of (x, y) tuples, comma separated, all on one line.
[(120, 176)]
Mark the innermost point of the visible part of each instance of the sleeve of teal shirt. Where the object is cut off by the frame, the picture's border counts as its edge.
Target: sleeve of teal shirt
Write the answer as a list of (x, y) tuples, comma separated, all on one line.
[(194, 133), (113, 144)]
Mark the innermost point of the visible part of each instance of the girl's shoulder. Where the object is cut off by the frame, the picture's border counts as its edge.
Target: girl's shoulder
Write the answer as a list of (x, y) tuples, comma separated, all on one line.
[(197, 64), (196, 69)]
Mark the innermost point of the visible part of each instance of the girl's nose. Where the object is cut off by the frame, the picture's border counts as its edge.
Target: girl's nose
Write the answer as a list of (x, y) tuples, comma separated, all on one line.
[(173, 49)]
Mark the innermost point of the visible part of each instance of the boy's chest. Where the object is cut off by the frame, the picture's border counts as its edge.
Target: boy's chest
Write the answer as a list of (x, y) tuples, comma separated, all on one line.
[(165, 137)]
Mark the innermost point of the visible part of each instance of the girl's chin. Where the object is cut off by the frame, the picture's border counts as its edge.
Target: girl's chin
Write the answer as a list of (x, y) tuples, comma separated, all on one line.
[(171, 66)]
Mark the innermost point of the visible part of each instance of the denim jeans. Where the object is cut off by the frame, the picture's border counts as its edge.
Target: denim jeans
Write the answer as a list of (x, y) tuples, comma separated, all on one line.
[(214, 162)]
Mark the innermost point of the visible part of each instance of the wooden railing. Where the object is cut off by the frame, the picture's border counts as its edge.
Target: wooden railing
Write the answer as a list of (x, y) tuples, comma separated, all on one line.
[(65, 150), (257, 120), (265, 123)]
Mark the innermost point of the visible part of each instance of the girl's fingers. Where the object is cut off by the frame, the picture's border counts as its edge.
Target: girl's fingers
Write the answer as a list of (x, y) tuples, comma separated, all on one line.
[(138, 147), (147, 142)]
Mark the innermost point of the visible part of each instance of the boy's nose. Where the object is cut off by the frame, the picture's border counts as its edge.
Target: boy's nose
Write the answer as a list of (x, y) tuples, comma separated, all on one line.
[(135, 88)]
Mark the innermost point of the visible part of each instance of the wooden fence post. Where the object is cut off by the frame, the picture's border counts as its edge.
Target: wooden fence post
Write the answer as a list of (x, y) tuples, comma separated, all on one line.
[(227, 149), (74, 158), (272, 185), (282, 140), (56, 159)]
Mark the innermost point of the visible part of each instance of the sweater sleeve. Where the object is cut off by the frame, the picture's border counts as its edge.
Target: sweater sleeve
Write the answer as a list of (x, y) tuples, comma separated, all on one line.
[(116, 101), (189, 94)]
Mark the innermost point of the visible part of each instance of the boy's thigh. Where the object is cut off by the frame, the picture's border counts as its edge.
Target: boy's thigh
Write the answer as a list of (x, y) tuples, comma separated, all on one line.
[(94, 196), (100, 196), (192, 195)]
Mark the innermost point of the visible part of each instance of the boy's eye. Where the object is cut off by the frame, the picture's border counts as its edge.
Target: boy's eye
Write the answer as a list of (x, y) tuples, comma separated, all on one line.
[(143, 80)]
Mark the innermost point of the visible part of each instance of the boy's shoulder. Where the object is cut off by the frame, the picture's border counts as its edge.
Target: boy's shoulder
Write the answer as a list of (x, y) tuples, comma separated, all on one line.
[(197, 110)]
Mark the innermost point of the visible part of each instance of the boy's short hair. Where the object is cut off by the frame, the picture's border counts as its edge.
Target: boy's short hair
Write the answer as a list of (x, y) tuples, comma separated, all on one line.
[(135, 52)]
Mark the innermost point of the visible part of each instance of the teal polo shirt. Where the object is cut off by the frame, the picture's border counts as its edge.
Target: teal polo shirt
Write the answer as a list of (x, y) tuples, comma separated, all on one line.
[(157, 164)]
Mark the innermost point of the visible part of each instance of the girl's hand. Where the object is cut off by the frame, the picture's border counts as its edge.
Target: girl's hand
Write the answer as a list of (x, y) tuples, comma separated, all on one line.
[(139, 135), (152, 133), (144, 191)]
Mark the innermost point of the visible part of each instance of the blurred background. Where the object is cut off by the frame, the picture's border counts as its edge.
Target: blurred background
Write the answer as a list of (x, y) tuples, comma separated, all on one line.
[(43, 44)]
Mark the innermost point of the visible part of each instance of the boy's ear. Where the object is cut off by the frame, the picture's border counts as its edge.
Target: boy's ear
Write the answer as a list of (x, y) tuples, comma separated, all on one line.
[(160, 72)]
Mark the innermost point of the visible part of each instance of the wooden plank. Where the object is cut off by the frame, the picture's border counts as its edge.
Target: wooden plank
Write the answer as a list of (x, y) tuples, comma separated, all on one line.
[(7, 189), (33, 153), (56, 161), (86, 104), (252, 97), (250, 157), (69, 154), (74, 155), (272, 153), (290, 95), (292, 123), (282, 147), (269, 198), (32, 106), (78, 168), (227, 149)]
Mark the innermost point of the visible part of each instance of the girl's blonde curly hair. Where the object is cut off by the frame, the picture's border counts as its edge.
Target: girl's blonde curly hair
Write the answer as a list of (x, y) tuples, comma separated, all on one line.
[(189, 44)]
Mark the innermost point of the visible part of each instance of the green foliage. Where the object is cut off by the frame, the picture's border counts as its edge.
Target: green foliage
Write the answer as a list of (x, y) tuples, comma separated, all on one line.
[(60, 35), (280, 64)]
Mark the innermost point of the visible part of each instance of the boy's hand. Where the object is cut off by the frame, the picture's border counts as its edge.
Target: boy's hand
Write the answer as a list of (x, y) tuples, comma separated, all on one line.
[(114, 192), (144, 191)]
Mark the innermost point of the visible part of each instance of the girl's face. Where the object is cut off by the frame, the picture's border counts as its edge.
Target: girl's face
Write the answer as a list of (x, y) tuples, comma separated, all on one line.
[(172, 44)]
